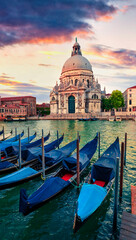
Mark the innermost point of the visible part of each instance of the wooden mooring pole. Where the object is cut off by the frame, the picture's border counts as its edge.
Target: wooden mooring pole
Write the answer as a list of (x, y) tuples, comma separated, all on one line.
[(121, 169), (3, 133), (28, 134), (99, 145), (42, 133), (58, 138), (78, 175), (15, 131), (43, 159), (19, 151), (125, 151), (116, 196)]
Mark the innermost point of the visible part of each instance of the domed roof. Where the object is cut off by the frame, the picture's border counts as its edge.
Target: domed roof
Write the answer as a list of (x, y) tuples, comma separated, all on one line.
[(76, 62)]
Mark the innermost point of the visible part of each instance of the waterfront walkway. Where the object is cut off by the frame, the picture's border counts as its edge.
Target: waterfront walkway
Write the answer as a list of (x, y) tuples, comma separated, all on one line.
[(128, 224)]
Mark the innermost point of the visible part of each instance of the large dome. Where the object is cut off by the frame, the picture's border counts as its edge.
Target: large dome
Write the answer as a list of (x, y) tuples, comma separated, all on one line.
[(76, 62)]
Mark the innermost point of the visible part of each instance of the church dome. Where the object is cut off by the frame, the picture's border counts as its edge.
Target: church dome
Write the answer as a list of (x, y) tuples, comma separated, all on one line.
[(76, 61)]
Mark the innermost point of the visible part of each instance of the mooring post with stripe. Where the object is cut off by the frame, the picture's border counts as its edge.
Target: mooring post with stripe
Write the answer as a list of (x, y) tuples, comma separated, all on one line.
[(78, 175), (58, 138), (121, 170), (0, 154), (3, 133), (43, 159), (99, 145), (28, 134), (116, 196), (125, 151), (19, 151)]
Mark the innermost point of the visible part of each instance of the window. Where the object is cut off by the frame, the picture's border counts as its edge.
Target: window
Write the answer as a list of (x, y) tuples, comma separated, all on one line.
[(129, 109), (130, 95), (94, 96), (71, 81), (53, 98), (130, 102), (76, 82), (88, 83)]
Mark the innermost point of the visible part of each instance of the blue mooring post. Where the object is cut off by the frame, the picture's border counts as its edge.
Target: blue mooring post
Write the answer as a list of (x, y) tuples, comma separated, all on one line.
[(58, 138), (3, 133), (28, 134), (121, 170), (0, 154), (99, 145), (125, 151), (116, 196), (78, 175), (15, 131), (19, 151)]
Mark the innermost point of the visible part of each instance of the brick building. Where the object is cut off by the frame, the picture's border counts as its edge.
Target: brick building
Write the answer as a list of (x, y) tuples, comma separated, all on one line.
[(18, 106)]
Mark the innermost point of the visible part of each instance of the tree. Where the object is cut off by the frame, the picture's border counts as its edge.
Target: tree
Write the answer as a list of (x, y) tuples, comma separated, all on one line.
[(106, 104), (117, 99)]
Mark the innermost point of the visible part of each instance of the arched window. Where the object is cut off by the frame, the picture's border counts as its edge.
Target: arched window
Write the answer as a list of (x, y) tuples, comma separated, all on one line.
[(71, 81), (76, 82), (88, 83), (94, 96), (53, 98)]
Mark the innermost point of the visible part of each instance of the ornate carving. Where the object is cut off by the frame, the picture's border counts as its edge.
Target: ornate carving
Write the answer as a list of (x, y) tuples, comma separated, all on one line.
[(80, 100), (62, 100)]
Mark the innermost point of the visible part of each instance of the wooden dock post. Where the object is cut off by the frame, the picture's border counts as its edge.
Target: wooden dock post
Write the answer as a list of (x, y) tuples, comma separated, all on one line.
[(125, 151), (99, 145), (58, 138), (15, 131), (78, 175), (121, 169), (19, 151), (116, 196), (43, 159), (28, 134), (3, 133)]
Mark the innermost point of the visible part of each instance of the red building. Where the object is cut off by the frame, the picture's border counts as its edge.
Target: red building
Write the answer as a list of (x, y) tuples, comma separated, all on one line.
[(18, 106)]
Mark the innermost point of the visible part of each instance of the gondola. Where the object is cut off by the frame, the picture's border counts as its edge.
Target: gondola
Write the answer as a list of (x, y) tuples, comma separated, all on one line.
[(1, 132), (13, 139), (6, 136), (4, 145), (97, 185), (13, 151), (52, 160), (29, 155), (60, 181)]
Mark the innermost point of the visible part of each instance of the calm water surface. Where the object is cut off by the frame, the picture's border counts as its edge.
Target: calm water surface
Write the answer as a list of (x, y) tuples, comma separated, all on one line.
[(55, 219)]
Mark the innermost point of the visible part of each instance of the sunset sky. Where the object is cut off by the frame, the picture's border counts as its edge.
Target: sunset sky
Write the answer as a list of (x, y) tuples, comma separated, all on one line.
[(36, 38)]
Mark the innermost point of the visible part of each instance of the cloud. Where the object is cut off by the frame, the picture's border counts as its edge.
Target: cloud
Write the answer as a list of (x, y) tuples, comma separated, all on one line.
[(118, 58), (47, 65), (41, 21), (16, 88)]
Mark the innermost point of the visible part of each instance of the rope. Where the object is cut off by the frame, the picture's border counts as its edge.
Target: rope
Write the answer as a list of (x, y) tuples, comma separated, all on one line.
[(43, 177), (75, 183)]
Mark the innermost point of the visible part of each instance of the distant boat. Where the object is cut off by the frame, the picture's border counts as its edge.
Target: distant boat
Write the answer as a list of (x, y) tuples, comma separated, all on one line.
[(97, 185), (118, 119), (111, 119), (8, 119)]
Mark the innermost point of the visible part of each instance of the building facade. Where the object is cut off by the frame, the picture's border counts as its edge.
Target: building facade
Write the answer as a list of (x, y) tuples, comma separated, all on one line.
[(130, 100), (18, 106), (78, 91)]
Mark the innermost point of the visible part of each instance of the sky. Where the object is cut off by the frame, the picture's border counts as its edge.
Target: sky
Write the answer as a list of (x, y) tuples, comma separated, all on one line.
[(36, 38)]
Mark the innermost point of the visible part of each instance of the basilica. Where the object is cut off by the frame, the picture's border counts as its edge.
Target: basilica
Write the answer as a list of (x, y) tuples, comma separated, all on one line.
[(78, 91)]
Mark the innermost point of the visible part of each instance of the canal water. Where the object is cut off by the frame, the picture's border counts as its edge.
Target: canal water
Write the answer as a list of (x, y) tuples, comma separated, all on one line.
[(54, 220)]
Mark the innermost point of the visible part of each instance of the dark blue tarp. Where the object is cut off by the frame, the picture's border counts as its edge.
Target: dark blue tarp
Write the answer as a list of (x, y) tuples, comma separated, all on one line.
[(1, 132), (85, 154), (34, 153), (14, 150), (50, 187), (5, 164), (55, 156), (104, 168)]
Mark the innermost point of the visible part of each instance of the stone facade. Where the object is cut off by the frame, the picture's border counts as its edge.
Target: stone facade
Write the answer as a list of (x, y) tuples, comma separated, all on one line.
[(78, 91), (130, 100)]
